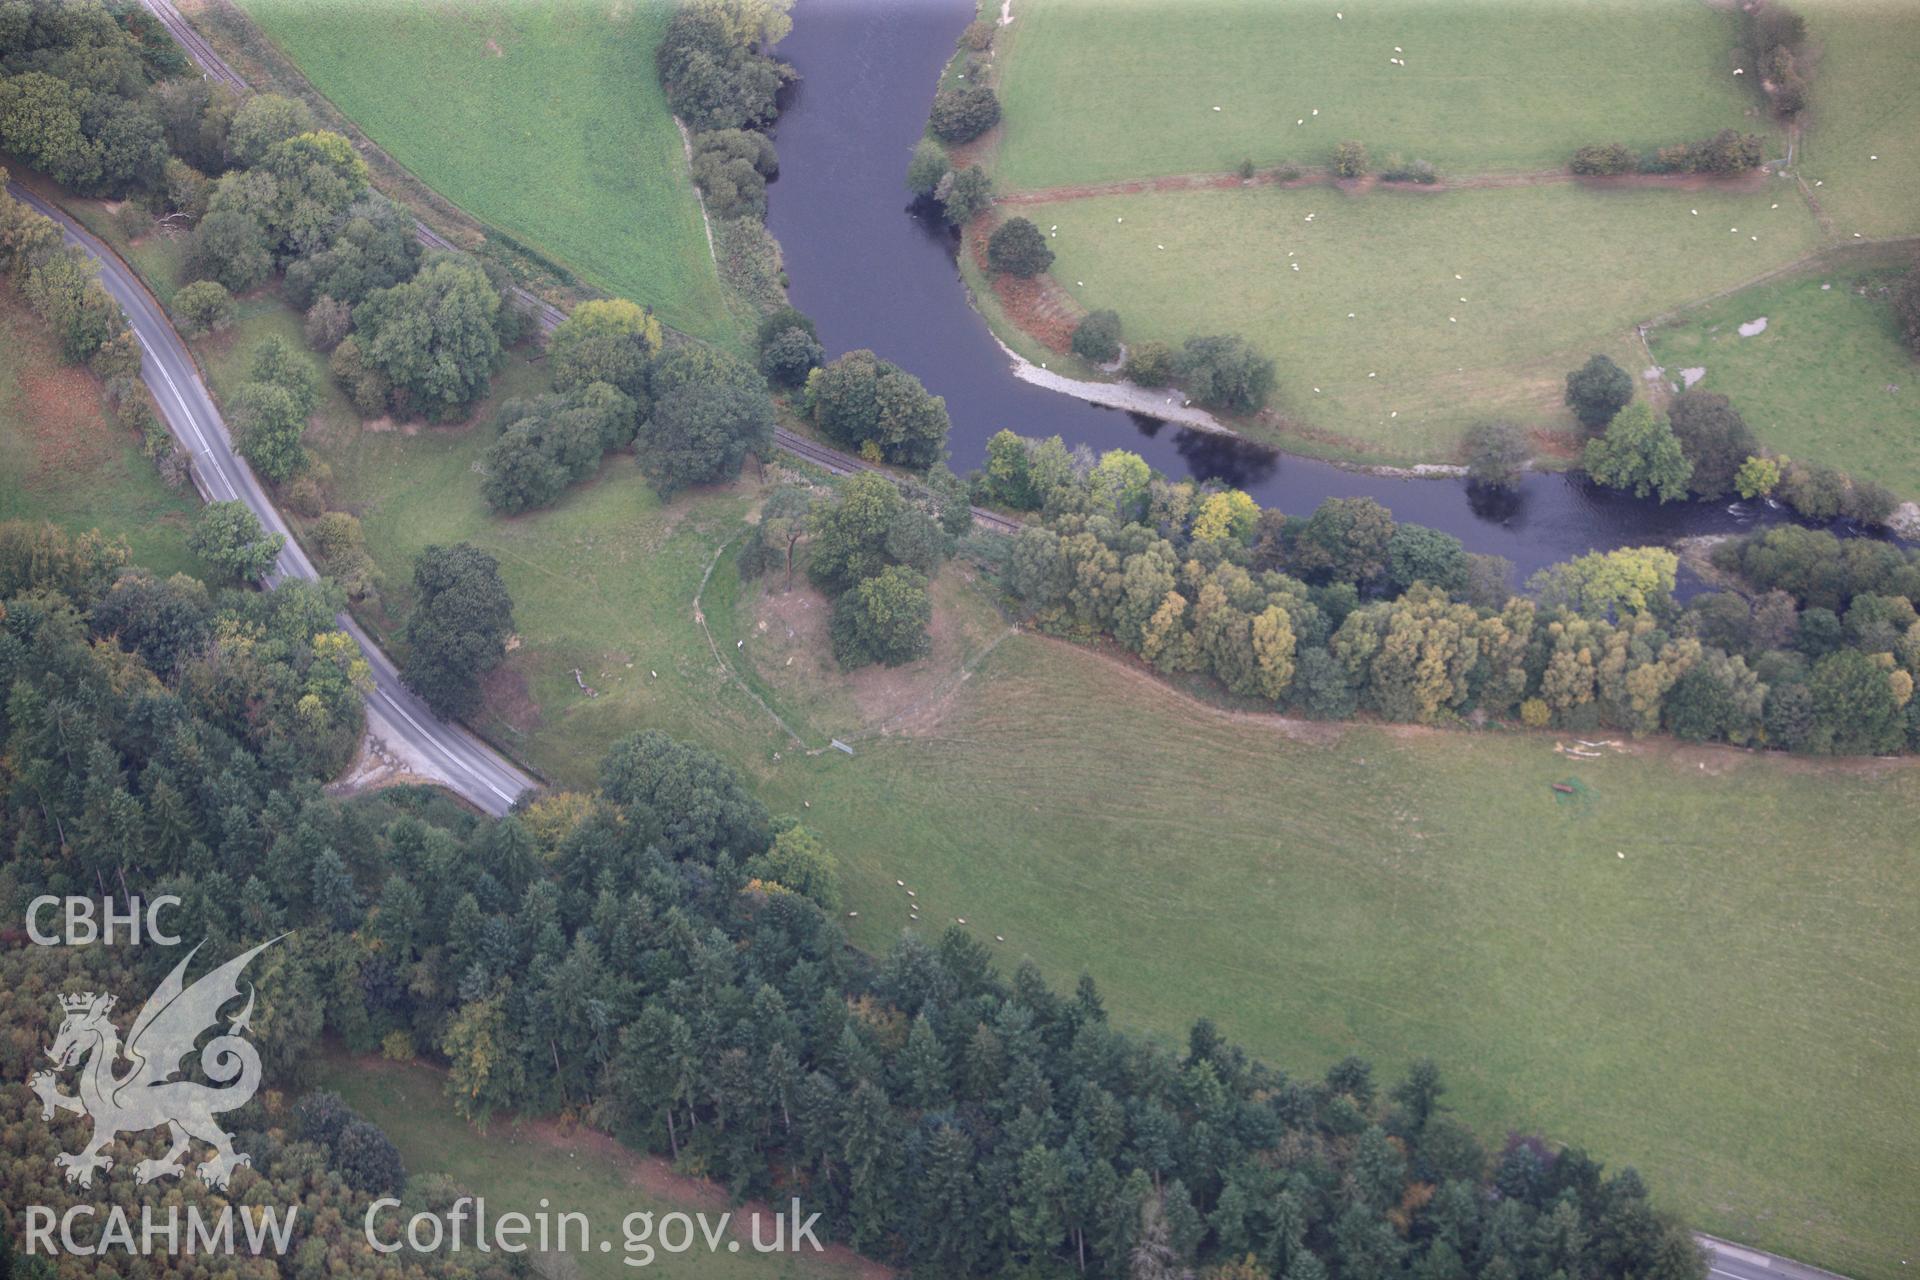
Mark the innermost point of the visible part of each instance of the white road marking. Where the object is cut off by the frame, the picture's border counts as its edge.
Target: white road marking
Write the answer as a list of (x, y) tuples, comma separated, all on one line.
[(394, 703), (187, 412), (226, 483)]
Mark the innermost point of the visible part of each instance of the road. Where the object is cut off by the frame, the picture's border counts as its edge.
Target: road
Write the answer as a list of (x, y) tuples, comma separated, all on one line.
[(448, 753), (1726, 1261), (215, 68), (466, 755)]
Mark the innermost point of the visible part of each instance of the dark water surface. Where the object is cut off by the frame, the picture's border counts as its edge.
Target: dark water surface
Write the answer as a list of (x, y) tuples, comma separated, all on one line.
[(873, 274)]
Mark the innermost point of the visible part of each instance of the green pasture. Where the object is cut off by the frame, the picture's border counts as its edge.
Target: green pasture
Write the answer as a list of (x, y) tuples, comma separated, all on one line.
[(1096, 92), (1827, 379), (602, 582), (541, 117), (1862, 132), (1731, 1006), (1549, 275)]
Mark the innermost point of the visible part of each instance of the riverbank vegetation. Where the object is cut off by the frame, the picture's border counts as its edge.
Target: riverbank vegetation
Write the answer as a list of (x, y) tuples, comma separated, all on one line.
[(1345, 610), (875, 408)]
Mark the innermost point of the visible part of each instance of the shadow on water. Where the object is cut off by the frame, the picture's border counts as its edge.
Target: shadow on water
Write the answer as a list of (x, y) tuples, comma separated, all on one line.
[(876, 271)]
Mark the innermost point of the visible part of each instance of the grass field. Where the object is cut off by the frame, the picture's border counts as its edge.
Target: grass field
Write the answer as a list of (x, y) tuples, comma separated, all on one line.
[(1731, 1007), (1103, 91), (1827, 379), (541, 117), (62, 460), (1551, 274), (1688, 1009), (1866, 104), (520, 1166), (603, 581)]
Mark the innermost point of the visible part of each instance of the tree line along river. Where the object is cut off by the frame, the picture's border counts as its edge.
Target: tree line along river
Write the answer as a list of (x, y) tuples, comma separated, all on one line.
[(875, 273)]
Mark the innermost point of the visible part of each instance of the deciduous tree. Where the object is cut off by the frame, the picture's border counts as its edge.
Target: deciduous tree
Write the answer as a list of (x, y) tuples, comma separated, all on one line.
[(1018, 248), (961, 115), (204, 307), (1714, 438), (1223, 371), (710, 410), (1641, 454), (433, 338), (1596, 391), (228, 537), (458, 629)]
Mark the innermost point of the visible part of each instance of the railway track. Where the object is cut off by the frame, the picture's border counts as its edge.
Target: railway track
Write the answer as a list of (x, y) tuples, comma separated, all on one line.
[(210, 63), (215, 68), (843, 464), (548, 316)]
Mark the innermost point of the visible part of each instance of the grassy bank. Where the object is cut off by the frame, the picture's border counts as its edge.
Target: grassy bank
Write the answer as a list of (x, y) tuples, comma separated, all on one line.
[(541, 118), (63, 460)]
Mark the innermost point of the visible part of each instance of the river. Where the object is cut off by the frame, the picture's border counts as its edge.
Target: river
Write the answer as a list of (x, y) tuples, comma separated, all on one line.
[(874, 273)]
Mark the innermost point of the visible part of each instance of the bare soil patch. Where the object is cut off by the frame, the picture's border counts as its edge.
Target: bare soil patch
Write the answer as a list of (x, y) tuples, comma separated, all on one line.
[(375, 765), (506, 695), (59, 403), (790, 644), (1038, 306)]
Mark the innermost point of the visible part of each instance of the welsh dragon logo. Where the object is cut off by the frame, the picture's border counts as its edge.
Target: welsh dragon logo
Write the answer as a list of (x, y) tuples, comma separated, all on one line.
[(147, 1096)]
